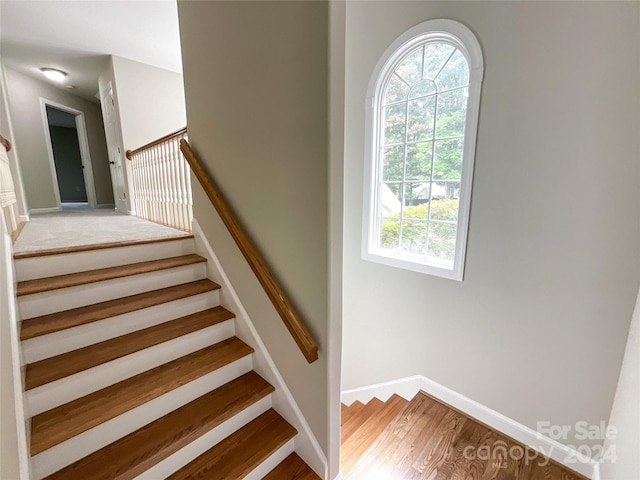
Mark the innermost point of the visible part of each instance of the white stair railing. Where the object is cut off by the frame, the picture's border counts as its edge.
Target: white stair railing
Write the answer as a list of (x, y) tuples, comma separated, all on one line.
[(8, 202), (161, 182)]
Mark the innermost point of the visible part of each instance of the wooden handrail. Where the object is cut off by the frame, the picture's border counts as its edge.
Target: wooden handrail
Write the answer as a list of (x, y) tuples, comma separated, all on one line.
[(130, 153), (291, 319), (6, 143)]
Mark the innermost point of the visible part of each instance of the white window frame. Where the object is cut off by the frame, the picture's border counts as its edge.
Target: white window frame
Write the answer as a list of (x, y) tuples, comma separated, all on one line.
[(462, 38)]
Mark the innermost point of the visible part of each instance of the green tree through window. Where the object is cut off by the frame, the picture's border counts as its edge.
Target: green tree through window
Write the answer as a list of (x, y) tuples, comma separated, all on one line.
[(424, 105), (422, 121)]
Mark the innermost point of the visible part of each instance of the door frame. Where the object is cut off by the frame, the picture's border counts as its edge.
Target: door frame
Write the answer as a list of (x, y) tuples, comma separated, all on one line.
[(83, 143), (116, 141)]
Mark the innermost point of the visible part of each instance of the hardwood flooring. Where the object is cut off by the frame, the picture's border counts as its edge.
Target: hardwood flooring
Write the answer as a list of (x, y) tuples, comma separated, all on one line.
[(293, 468), (241, 452), (39, 285), (93, 246), (61, 423), (66, 364), (54, 322), (427, 440), (131, 455)]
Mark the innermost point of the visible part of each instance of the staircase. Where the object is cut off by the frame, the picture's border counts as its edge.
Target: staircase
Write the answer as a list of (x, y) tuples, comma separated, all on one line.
[(362, 424), (133, 370), (424, 439)]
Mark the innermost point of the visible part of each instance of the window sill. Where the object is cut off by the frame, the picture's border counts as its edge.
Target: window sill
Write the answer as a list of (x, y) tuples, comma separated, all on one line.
[(435, 267)]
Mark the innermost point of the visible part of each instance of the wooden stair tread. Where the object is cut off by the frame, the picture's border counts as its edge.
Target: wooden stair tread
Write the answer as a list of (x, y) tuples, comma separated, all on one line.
[(54, 322), (65, 421), (292, 468), (29, 287), (362, 439), (54, 368), (135, 453), (370, 409), (95, 246), (242, 451), (427, 440), (350, 411)]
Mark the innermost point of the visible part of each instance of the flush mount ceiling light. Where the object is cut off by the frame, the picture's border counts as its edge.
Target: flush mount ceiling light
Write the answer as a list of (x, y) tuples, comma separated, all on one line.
[(54, 74)]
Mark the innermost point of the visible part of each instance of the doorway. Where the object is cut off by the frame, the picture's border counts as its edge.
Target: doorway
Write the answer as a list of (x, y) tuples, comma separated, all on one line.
[(69, 156), (112, 132)]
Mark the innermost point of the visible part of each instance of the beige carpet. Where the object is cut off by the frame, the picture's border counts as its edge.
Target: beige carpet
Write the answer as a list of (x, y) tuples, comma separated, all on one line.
[(86, 227)]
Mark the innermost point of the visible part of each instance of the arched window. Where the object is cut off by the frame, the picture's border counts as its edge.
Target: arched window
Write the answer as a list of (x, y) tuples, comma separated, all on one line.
[(422, 116)]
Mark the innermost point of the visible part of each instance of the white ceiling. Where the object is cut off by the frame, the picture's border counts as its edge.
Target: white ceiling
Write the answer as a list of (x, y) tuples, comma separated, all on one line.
[(77, 37)]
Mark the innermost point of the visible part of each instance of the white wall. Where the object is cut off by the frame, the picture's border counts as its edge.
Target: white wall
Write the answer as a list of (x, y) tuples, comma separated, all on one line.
[(6, 129), (537, 329), (149, 105), (257, 106), (24, 95), (9, 464), (14, 456), (150, 101), (337, 19), (625, 415)]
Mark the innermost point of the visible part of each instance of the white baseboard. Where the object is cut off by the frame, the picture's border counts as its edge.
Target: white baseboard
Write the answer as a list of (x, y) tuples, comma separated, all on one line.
[(44, 210), (410, 386), (24, 218), (306, 444)]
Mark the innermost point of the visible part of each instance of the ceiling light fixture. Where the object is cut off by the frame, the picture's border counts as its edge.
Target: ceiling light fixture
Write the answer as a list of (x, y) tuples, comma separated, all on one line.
[(70, 87), (54, 74)]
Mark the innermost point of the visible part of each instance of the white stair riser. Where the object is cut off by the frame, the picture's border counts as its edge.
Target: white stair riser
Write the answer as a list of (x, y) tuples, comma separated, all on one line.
[(196, 448), (51, 265), (80, 446), (46, 346), (66, 298), (75, 386), (272, 462)]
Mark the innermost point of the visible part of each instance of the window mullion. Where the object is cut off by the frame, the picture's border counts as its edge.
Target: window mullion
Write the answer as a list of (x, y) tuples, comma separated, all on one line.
[(444, 65), (444, 243), (433, 158), (404, 171)]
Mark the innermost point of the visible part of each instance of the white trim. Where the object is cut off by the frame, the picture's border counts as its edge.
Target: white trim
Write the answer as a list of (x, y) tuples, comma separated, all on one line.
[(464, 40), (306, 444), (408, 387), (335, 237), (83, 143), (8, 286), (45, 210), (14, 158), (116, 142)]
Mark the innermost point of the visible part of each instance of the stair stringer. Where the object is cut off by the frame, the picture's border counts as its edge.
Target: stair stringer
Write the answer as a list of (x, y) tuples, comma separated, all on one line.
[(306, 444), (9, 315)]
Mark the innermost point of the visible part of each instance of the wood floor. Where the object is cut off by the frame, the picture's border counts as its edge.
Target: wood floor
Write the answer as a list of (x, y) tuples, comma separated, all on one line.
[(426, 440)]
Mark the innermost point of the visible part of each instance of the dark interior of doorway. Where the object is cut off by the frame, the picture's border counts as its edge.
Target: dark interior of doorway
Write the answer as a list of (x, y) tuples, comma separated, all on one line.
[(67, 157)]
